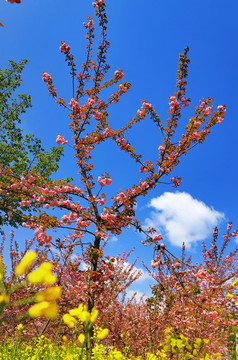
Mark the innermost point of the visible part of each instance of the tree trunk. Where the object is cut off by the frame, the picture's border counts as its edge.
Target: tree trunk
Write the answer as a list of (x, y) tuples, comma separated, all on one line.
[(89, 342)]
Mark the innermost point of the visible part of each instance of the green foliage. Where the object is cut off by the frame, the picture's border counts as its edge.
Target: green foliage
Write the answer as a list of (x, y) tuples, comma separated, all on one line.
[(19, 152)]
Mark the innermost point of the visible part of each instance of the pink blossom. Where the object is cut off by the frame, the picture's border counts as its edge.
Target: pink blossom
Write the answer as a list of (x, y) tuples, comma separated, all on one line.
[(31, 178), (118, 74), (229, 226), (124, 89), (122, 143), (64, 48), (74, 105), (144, 184), (207, 111), (65, 218), (46, 77), (154, 264), (201, 274), (196, 136), (60, 140), (173, 102), (14, 187), (219, 120), (89, 24), (176, 181), (221, 107), (141, 114), (14, 1), (25, 202), (161, 148), (104, 182), (185, 102), (90, 101), (145, 106), (197, 123), (97, 115), (203, 105), (107, 132), (157, 238), (143, 169), (102, 201)]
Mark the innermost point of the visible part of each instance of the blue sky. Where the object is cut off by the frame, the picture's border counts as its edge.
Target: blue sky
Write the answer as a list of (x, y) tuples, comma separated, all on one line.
[(146, 39)]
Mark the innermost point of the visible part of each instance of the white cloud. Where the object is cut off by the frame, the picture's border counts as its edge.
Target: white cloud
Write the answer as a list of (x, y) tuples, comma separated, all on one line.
[(84, 266), (113, 239), (181, 218), (145, 275)]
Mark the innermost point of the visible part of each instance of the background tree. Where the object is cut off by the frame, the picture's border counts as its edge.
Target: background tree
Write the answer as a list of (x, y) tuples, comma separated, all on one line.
[(19, 154)]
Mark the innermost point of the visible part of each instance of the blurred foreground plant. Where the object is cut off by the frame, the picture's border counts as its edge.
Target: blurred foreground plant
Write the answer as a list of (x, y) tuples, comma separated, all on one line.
[(46, 300)]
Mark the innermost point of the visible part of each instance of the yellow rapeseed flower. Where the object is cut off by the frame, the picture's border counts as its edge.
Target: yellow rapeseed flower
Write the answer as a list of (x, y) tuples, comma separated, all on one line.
[(25, 262), (42, 275), (20, 327), (229, 295), (81, 338), (50, 294), (69, 320), (235, 283), (103, 334)]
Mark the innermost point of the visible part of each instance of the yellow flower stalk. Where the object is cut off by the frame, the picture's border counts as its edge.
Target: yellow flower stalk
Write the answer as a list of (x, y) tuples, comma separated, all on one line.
[(103, 334), (69, 320), (1, 270), (94, 315), (50, 294), (77, 311), (42, 275), (85, 316), (51, 312), (38, 309), (25, 262), (65, 340), (44, 308)]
